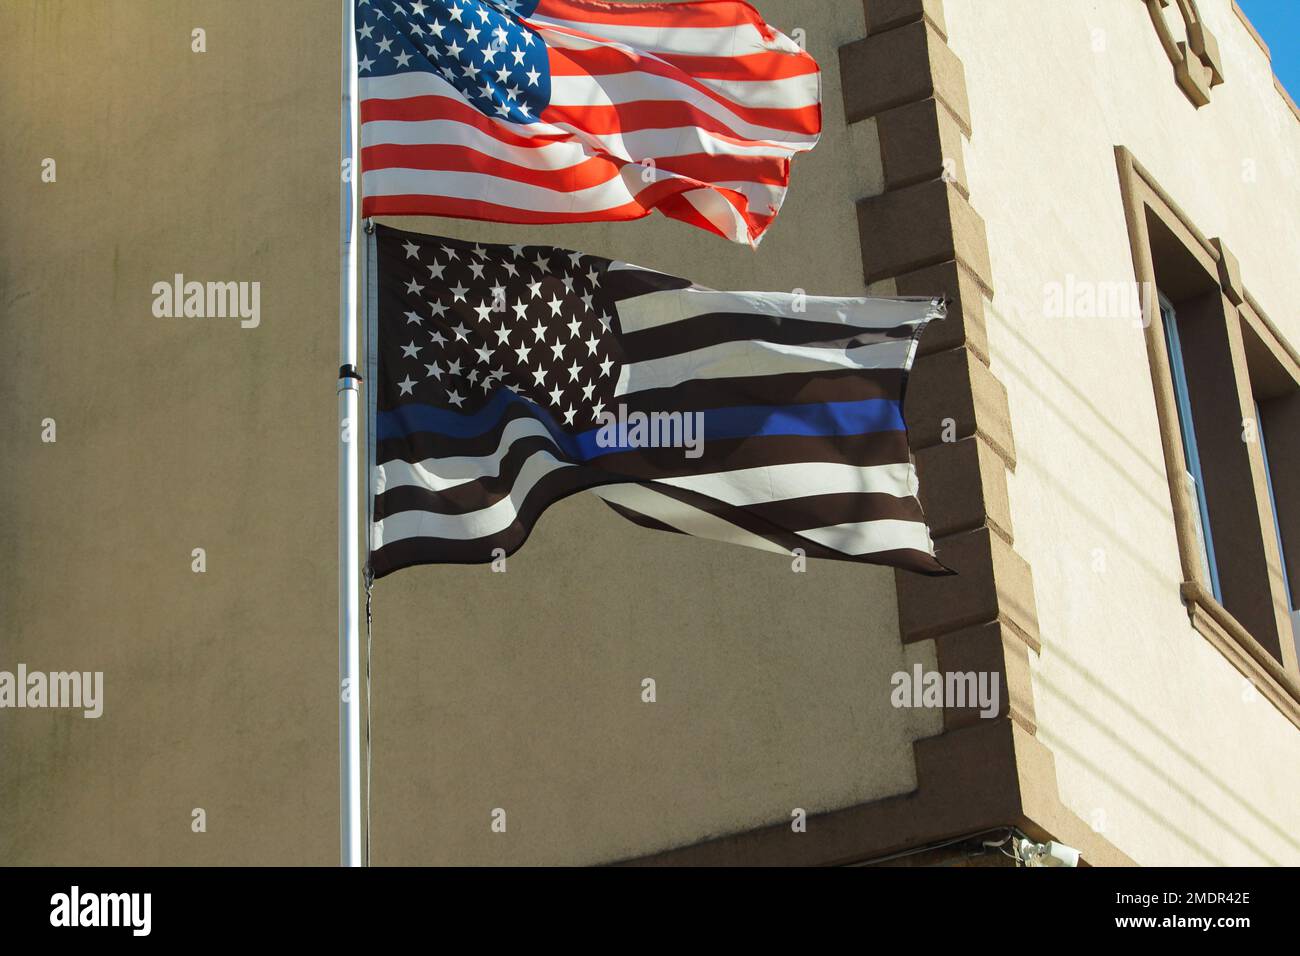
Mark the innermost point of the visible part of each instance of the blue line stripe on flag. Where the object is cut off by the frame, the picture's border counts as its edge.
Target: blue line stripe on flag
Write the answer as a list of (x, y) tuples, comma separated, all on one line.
[(744, 421)]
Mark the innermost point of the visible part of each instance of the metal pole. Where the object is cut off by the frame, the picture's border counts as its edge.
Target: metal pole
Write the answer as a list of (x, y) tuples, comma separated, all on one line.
[(350, 824)]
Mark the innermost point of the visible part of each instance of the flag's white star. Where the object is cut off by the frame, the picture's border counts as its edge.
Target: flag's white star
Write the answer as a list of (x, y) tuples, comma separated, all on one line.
[(461, 333), (556, 304), (455, 399), (597, 411), (542, 265), (414, 317), (521, 310), (407, 386), (587, 390), (366, 30), (568, 415), (412, 250), (484, 354), (557, 349), (438, 338), (435, 270), (453, 368), (417, 9), (435, 371), (436, 29), (503, 335), (568, 283), (522, 351), (591, 344), (364, 63), (503, 109), (454, 49), (384, 44), (536, 289), (438, 309), (533, 76), (414, 287), (477, 269), (484, 311), (403, 58), (472, 33), (573, 328), (556, 394), (574, 369), (605, 367), (539, 331), (503, 74), (604, 322), (457, 13), (458, 291), (539, 377), (518, 54)]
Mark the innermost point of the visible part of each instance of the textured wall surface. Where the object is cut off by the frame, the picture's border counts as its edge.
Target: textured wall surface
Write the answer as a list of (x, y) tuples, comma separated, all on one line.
[(1159, 742), (517, 690)]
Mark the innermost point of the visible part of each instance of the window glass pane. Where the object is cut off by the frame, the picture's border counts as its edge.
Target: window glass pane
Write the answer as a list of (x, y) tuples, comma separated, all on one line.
[(1191, 455)]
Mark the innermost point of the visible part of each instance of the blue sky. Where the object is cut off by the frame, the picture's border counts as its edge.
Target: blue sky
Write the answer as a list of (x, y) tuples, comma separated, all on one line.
[(1278, 22)]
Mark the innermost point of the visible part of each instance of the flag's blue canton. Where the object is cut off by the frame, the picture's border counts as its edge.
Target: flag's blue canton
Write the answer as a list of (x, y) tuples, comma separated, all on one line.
[(479, 46)]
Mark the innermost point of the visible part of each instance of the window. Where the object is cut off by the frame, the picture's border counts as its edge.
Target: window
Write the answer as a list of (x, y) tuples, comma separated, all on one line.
[(1191, 454), (1228, 517), (1273, 490), (1275, 399), (1227, 393)]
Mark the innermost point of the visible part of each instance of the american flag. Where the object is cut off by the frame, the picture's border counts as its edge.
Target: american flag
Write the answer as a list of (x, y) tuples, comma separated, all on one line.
[(553, 111), (495, 369)]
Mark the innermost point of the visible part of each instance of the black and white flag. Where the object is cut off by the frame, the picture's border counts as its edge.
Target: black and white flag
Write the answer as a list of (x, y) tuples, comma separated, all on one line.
[(509, 377)]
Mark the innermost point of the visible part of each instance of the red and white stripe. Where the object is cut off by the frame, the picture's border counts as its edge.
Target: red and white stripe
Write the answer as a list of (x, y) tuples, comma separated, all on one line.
[(694, 109)]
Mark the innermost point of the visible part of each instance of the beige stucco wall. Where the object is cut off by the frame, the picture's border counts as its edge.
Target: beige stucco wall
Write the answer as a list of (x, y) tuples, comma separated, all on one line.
[(1159, 742), (517, 690)]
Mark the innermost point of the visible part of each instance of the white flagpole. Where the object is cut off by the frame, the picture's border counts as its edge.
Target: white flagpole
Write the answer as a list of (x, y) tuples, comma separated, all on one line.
[(350, 826)]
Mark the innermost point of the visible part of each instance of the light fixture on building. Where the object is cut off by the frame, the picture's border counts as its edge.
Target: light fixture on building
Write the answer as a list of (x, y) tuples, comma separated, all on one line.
[(1050, 853)]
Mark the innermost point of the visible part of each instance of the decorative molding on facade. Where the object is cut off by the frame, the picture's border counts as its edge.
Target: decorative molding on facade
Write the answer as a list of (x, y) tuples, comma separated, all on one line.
[(965, 324), (923, 233), (1197, 63)]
